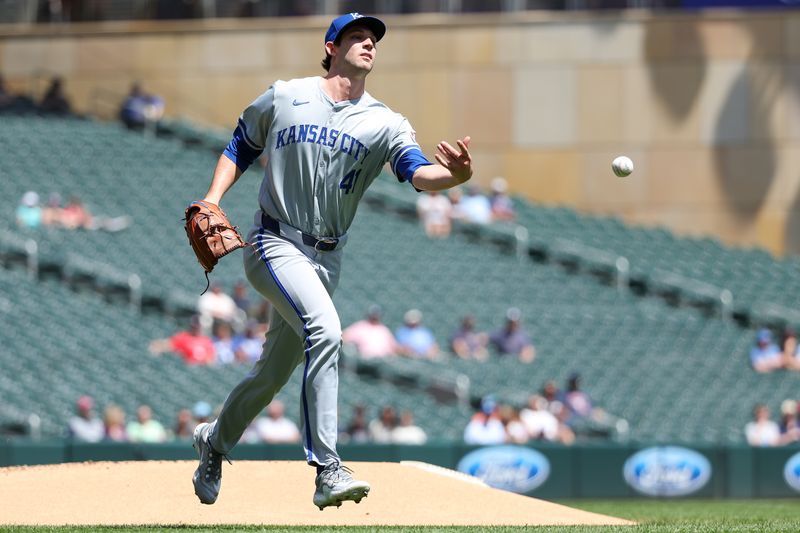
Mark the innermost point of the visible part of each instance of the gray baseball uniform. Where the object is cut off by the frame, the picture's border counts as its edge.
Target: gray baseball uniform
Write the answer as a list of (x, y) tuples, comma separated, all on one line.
[(322, 157)]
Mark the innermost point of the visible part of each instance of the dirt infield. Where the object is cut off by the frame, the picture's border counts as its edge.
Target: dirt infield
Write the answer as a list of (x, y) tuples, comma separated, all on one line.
[(263, 493)]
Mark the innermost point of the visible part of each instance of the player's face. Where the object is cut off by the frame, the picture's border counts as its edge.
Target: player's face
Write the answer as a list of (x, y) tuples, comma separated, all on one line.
[(357, 49)]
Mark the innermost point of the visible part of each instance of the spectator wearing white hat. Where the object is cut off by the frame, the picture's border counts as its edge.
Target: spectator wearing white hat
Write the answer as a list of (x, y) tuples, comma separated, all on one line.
[(474, 206), (415, 339), (502, 205), (29, 212)]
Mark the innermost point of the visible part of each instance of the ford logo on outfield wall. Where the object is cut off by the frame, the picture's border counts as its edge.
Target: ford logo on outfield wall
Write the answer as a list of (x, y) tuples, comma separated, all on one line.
[(667, 471), (791, 472), (511, 468)]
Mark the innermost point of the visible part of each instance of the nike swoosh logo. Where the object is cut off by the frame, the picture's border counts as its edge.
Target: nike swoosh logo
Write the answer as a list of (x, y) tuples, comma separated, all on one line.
[(295, 102)]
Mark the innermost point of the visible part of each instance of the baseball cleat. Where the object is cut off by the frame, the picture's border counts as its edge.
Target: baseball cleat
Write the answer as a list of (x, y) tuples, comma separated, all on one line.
[(335, 484), (208, 476)]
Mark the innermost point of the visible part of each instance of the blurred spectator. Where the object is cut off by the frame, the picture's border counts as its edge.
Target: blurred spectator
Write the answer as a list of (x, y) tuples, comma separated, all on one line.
[(224, 346), (145, 428), (74, 215), (552, 396), (434, 211), (29, 212), (762, 431), (214, 305), (468, 343), (577, 401), (516, 433), (416, 340), (249, 345), (765, 356), (184, 425), (791, 350), (381, 429), (275, 428), (554, 405), (502, 205), (140, 109), (261, 311), (55, 101), (195, 347), (357, 430), (85, 426), (407, 432), (512, 339), (485, 426), (540, 423), (475, 207), (241, 298), (789, 427), (370, 336), (201, 412), (51, 214), (455, 195), (114, 423), (584, 417)]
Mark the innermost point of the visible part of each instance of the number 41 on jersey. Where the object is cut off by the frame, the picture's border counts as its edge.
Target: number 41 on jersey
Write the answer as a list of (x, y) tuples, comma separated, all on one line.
[(348, 182)]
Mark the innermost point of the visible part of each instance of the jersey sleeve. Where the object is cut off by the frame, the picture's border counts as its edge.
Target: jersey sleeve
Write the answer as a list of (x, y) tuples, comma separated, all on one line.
[(250, 135), (405, 155)]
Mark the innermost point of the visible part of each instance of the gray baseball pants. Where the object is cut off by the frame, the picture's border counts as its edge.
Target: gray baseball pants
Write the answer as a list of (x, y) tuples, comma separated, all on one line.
[(304, 330)]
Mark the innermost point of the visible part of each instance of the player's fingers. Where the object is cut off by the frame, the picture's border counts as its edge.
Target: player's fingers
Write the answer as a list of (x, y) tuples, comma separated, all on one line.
[(441, 160), (464, 149), (445, 154), (449, 150)]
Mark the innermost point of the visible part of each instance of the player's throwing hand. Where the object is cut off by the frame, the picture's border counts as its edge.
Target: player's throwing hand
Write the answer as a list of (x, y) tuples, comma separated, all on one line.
[(458, 162)]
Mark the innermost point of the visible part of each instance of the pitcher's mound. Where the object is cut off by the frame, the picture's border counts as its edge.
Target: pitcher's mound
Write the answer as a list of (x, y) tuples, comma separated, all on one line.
[(263, 493)]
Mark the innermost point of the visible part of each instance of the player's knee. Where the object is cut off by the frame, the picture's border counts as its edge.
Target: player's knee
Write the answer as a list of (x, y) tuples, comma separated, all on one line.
[(329, 336)]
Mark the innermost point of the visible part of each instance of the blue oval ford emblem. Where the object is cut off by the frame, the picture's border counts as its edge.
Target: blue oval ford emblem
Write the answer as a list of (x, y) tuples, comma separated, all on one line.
[(667, 471), (512, 468), (791, 472)]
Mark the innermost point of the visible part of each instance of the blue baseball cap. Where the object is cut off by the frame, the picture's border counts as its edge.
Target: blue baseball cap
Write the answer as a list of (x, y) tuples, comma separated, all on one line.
[(339, 24)]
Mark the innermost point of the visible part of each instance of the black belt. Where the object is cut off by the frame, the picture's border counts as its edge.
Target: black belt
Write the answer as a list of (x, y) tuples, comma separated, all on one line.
[(324, 244)]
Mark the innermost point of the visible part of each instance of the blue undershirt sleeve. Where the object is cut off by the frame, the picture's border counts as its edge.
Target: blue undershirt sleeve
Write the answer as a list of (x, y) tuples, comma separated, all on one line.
[(250, 135), (240, 151), (407, 161)]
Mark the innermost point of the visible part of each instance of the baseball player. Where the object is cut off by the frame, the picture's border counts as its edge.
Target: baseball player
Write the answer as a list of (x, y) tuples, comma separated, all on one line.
[(326, 139)]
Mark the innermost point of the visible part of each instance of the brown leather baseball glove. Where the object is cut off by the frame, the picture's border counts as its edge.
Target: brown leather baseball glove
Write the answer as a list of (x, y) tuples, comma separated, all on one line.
[(210, 233)]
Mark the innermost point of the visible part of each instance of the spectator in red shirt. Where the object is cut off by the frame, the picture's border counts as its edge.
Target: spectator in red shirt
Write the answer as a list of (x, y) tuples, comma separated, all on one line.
[(195, 347)]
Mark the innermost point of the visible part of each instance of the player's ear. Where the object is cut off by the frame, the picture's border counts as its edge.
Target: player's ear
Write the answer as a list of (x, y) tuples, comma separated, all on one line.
[(330, 47)]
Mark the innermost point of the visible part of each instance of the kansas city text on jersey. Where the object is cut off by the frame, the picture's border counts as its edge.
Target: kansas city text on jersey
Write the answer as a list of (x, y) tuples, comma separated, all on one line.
[(312, 133)]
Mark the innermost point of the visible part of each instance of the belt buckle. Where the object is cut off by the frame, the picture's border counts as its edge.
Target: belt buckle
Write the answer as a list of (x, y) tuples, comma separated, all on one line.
[(325, 244)]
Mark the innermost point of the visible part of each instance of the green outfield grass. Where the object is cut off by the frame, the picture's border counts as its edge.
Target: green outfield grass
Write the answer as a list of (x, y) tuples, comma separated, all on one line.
[(653, 516)]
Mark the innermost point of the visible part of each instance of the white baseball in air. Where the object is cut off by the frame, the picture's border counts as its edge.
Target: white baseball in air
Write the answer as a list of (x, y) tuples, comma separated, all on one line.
[(622, 166)]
